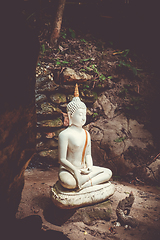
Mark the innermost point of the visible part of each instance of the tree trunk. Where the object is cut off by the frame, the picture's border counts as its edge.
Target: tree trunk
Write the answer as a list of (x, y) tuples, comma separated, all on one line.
[(57, 22)]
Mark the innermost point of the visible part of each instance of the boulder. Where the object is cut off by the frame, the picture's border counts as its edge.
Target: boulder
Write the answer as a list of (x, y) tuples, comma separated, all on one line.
[(50, 123), (69, 75), (39, 98), (58, 98), (153, 171), (113, 137), (107, 106), (50, 154)]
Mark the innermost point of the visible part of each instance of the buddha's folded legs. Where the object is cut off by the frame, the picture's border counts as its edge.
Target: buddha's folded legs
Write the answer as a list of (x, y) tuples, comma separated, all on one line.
[(97, 176)]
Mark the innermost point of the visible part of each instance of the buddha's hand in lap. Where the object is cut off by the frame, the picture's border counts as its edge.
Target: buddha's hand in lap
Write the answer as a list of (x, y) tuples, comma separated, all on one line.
[(85, 170)]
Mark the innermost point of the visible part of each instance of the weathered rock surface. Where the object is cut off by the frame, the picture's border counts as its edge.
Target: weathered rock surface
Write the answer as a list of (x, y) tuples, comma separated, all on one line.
[(58, 98), (69, 75), (112, 135), (90, 214), (51, 123), (153, 171)]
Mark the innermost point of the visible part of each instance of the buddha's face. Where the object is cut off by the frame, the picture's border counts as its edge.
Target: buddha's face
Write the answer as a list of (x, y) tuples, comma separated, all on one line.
[(79, 117)]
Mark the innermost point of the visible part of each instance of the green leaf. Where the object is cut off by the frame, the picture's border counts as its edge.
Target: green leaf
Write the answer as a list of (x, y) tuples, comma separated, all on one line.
[(58, 62), (85, 60), (110, 77), (73, 35), (121, 139), (43, 48), (95, 115), (126, 52), (83, 40), (65, 62), (102, 77), (38, 64)]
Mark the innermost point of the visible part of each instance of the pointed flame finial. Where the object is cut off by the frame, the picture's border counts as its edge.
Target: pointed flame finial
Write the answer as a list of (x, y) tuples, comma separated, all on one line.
[(76, 92)]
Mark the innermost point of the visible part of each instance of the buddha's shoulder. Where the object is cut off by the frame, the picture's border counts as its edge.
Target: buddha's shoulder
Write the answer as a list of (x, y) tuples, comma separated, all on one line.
[(64, 133)]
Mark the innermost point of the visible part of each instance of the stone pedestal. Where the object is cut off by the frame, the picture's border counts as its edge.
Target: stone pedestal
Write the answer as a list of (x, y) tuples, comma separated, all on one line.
[(68, 199)]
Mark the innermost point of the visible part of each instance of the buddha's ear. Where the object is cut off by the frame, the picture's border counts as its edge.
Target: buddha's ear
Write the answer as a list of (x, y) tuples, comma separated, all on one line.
[(70, 118)]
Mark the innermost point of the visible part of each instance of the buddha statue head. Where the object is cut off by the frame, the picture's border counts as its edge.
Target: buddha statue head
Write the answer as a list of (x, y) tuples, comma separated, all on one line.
[(76, 108)]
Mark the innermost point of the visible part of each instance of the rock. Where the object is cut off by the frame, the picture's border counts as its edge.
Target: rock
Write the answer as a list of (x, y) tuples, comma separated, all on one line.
[(50, 123), (40, 98), (58, 98), (49, 134), (69, 89), (49, 153), (96, 134), (153, 171), (111, 138), (68, 199), (88, 215), (48, 109), (69, 75), (50, 144), (107, 106), (40, 81), (38, 136), (89, 94), (48, 87)]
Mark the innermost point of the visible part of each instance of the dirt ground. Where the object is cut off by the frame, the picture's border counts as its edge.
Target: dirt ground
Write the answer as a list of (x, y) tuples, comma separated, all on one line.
[(36, 202)]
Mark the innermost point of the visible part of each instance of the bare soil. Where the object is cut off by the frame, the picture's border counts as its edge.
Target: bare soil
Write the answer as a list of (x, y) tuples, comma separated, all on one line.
[(36, 202)]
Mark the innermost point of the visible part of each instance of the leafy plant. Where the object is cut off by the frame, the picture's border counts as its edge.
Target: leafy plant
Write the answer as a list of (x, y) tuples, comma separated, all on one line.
[(63, 34), (43, 48), (73, 35), (95, 115), (110, 77), (83, 40), (102, 78), (121, 139), (95, 95), (85, 60), (127, 65), (58, 62)]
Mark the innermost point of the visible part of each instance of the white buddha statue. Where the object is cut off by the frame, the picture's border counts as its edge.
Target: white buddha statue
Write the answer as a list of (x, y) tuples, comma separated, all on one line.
[(76, 165)]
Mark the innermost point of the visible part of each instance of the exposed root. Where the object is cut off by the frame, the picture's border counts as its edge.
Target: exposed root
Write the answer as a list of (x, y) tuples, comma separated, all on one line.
[(123, 210)]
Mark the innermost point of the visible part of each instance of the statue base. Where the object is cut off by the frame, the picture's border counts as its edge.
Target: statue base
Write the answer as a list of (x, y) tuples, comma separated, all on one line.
[(68, 199)]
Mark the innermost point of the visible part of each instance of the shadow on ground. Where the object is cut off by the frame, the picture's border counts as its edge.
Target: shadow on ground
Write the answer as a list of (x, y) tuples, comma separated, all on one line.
[(51, 213)]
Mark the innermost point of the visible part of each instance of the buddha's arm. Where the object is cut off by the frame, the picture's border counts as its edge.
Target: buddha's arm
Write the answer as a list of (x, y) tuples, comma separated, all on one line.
[(89, 161), (62, 148)]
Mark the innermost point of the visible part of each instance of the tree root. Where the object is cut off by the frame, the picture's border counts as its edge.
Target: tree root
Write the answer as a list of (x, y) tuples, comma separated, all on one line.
[(123, 210)]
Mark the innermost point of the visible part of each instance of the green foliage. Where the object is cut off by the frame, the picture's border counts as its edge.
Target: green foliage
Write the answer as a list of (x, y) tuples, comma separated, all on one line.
[(95, 95), (102, 78), (43, 48), (126, 51), (95, 115), (72, 32), (110, 77), (58, 62), (83, 40), (127, 65), (121, 139), (85, 60), (63, 34)]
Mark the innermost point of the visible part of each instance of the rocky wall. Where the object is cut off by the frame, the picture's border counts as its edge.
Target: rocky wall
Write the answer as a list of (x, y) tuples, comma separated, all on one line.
[(17, 109), (119, 143), (52, 97)]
